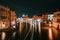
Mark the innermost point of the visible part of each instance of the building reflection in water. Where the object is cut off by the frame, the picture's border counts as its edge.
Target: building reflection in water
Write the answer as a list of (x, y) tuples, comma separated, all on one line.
[(3, 35), (32, 31), (50, 34), (14, 33)]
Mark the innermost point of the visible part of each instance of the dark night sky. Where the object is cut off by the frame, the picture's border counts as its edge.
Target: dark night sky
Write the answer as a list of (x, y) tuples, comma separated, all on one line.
[(31, 7)]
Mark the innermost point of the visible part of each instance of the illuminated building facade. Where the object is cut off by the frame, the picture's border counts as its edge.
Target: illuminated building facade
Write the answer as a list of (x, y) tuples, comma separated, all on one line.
[(56, 19), (6, 17)]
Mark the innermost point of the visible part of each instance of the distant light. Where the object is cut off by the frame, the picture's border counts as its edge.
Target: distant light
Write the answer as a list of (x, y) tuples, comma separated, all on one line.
[(30, 19), (50, 24), (18, 19), (23, 15), (50, 16), (21, 20), (14, 26), (33, 24), (3, 25), (13, 22), (3, 35), (39, 20)]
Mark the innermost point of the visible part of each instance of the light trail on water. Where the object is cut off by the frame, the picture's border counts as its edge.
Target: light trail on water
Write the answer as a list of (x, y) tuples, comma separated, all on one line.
[(50, 36), (3, 35)]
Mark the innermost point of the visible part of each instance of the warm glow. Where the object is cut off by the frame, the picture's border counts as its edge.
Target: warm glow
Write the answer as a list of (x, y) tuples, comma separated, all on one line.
[(3, 25), (55, 24), (14, 26), (30, 24), (39, 26), (13, 22), (3, 35), (50, 25), (35, 26), (20, 28), (50, 34)]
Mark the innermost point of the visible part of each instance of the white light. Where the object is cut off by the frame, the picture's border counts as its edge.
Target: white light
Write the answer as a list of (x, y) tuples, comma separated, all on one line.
[(13, 22), (38, 19), (33, 24), (21, 20), (39, 25), (3, 35), (50, 34), (30, 19), (3, 25), (50, 17), (18, 18), (14, 26), (23, 15)]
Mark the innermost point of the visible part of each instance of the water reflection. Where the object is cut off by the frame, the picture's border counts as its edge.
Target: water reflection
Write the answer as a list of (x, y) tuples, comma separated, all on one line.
[(50, 34), (3, 35), (14, 33)]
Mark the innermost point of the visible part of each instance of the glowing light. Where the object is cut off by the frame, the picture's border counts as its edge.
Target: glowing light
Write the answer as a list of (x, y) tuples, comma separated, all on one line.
[(39, 24), (18, 19), (55, 24), (21, 20), (3, 25), (13, 22), (35, 25), (14, 26), (26, 25), (50, 34), (50, 16), (32, 31), (50, 24), (23, 15), (20, 28), (30, 24), (3, 35), (38, 19)]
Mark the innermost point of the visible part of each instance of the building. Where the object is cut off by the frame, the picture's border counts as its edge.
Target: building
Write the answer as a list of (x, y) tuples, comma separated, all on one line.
[(50, 17), (6, 17), (56, 19)]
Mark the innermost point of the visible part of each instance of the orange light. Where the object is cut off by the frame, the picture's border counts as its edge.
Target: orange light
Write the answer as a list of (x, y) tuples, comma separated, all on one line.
[(3, 35), (50, 34)]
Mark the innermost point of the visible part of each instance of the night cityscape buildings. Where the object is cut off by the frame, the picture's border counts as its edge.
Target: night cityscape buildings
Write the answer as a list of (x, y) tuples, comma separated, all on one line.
[(29, 28)]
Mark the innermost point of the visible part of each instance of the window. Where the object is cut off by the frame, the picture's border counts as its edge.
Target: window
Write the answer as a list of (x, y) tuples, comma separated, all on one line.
[(1, 9), (58, 14), (58, 20), (3, 17)]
